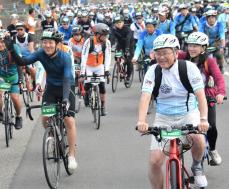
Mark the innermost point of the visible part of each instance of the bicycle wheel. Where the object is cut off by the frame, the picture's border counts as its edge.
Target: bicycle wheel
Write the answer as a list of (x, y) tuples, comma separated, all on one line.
[(97, 109), (115, 78), (25, 96), (173, 175), (78, 100), (11, 120), (140, 73), (6, 120), (51, 158), (64, 148)]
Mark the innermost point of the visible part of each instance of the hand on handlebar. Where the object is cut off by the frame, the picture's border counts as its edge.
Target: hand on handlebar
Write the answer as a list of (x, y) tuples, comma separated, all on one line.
[(203, 126), (219, 99), (142, 126), (38, 90)]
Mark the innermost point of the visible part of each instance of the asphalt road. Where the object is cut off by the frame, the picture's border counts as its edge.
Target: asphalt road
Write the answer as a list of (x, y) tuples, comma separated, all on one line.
[(114, 157)]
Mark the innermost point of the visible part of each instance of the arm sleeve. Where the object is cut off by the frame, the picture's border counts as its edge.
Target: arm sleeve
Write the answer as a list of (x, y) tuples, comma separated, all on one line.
[(139, 46), (40, 72), (84, 57), (107, 56), (67, 76)]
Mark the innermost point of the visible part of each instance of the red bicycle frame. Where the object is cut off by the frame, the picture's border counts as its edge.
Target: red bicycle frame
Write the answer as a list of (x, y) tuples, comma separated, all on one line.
[(174, 155)]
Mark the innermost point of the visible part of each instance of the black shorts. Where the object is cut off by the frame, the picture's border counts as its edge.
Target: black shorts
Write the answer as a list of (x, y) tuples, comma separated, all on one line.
[(54, 94)]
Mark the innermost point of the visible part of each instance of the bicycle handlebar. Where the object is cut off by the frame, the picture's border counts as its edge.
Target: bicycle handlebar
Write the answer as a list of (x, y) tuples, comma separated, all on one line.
[(28, 110), (213, 100)]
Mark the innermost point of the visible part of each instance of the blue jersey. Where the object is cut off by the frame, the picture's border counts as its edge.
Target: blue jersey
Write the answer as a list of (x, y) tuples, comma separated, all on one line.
[(188, 25), (215, 33), (167, 27), (58, 68), (7, 67), (67, 33), (146, 40)]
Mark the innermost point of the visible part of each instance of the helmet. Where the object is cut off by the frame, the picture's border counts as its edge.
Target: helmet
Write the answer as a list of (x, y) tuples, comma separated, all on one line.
[(163, 11), (193, 9), (166, 41), (118, 18), (138, 14), (51, 34), (65, 20), (91, 13), (84, 14), (151, 21), (126, 11), (183, 6), (102, 29), (211, 13), (48, 14), (20, 25), (77, 30), (198, 38), (70, 14), (14, 16)]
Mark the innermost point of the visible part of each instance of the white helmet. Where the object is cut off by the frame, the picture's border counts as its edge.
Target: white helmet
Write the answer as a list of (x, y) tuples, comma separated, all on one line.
[(48, 14), (126, 11), (198, 38), (166, 41)]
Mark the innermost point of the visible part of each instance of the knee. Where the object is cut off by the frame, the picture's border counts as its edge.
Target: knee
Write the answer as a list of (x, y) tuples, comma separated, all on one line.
[(156, 159), (69, 122)]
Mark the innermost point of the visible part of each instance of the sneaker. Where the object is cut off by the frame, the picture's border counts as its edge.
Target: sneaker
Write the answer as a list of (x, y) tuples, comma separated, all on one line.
[(215, 158), (1, 116), (72, 164), (18, 123), (200, 181), (103, 111)]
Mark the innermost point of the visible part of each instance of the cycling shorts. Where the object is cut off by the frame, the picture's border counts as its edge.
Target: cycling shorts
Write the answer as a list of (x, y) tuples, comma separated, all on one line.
[(99, 70), (54, 94), (181, 120), (13, 80)]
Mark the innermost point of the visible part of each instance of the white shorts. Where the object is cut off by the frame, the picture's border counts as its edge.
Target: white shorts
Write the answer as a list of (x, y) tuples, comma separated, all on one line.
[(98, 70), (163, 120)]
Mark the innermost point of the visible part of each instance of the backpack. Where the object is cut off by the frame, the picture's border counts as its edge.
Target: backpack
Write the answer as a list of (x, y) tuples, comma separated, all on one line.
[(92, 45), (182, 68)]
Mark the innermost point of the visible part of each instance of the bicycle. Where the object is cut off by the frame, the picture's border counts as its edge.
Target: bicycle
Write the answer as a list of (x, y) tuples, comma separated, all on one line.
[(94, 98), (8, 115), (120, 72), (177, 176), (143, 67), (55, 143)]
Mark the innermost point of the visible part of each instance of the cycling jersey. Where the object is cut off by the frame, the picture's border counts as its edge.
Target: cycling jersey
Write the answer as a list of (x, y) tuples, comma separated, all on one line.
[(67, 33), (224, 19), (215, 33), (146, 40), (167, 27), (76, 46), (45, 25), (96, 57), (172, 91), (23, 43), (137, 29), (188, 25)]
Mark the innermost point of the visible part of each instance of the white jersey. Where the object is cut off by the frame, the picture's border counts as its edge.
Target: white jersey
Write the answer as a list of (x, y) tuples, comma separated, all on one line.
[(137, 29)]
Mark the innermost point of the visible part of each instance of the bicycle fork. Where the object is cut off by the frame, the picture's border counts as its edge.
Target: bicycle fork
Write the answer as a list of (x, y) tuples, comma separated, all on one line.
[(173, 151)]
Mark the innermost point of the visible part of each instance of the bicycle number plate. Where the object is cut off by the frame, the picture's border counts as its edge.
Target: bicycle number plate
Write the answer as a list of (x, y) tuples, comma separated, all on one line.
[(48, 110), (171, 134), (118, 54), (5, 86)]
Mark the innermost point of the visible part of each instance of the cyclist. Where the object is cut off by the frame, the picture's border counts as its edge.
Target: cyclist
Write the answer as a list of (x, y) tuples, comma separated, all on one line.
[(76, 44), (215, 32), (146, 39), (173, 106), (197, 43), (60, 81), (138, 26), (49, 22), (66, 28), (96, 58), (166, 25), (30, 22), (9, 73), (125, 42)]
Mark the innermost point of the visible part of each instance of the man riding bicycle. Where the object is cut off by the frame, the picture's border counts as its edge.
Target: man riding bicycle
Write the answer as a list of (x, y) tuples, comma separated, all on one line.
[(173, 107), (60, 81), (96, 58)]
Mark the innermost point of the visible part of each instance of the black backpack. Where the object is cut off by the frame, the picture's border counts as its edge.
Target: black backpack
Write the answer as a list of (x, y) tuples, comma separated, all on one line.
[(182, 67), (92, 45)]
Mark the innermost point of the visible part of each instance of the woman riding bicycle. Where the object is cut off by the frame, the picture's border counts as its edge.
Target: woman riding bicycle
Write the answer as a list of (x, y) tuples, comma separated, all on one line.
[(214, 83)]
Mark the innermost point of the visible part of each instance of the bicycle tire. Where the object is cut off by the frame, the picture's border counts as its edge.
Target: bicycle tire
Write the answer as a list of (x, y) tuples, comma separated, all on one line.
[(6, 121), (11, 120), (64, 149), (50, 143), (25, 97), (31, 96), (78, 100), (140, 74), (97, 109), (173, 175), (115, 78)]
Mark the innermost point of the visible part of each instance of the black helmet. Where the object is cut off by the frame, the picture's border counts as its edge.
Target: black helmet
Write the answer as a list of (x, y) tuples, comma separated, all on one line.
[(118, 18), (102, 29), (77, 30)]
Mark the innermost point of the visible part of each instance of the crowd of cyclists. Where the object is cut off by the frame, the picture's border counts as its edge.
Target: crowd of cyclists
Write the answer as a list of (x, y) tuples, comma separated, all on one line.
[(85, 36)]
